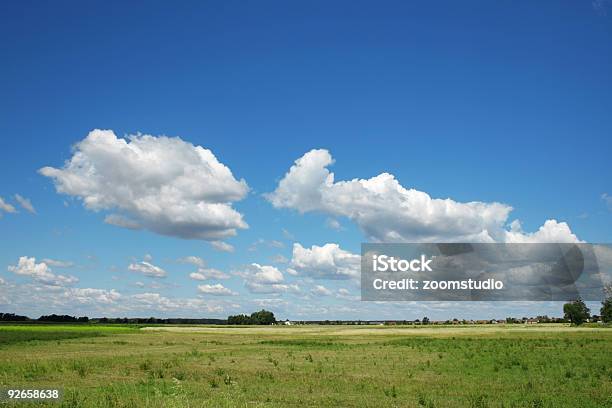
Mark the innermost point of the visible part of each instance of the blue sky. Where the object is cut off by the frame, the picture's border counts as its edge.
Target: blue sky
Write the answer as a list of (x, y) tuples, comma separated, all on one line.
[(472, 101)]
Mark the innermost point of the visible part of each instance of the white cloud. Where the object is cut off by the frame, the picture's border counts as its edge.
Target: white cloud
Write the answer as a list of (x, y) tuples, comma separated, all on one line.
[(89, 295), (388, 212), (25, 203), (320, 290), (40, 272), (216, 290), (148, 302), (222, 246), (194, 260), (265, 243), (36, 298), (121, 221), (163, 184), (274, 302), (6, 207), (278, 258), (255, 287), (208, 273), (291, 272), (265, 279), (265, 274), (155, 300), (57, 263), (147, 269), (325, 262), (552, 231), (333, 223)]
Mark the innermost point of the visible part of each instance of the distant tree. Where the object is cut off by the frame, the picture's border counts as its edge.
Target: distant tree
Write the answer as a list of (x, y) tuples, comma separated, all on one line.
[(576, 312), (58, 318), (12, 317), (606, 310), (426, 320), (263, 317), (239, 319)]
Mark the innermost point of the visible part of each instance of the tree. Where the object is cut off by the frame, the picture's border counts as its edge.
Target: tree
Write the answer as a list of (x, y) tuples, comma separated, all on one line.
[(263, 317), (576, 311), (426, 320), (57, 318), (606, 305), (239, 319), (12, 317)]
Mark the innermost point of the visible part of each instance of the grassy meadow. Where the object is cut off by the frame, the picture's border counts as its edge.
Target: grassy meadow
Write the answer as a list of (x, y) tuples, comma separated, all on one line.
[(311, 366)]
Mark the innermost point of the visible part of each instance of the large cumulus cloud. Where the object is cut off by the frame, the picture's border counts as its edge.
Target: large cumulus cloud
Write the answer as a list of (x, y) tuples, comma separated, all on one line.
[(161, 184), (388, 212)]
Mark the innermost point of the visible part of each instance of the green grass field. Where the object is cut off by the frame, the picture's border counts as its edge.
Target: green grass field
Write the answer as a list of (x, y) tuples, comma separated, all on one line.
[(312, 366)]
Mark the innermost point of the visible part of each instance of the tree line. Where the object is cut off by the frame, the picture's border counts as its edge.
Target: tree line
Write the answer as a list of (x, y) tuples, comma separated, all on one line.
[(12, 317), (263, 317)]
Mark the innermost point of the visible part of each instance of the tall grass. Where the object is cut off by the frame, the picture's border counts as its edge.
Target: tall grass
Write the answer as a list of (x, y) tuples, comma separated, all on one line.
[(328, 367)]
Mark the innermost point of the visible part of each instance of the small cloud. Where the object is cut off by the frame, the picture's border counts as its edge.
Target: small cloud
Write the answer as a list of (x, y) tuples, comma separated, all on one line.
[(147, 258), (264, 274), (345, 294), (194, 260), (275, 288), (6, 207), (265, 279), (291, 271), (57, 263), (25, 203), (208, 273), (279, 259), (267, 243), (320, 290), (121, 221), (276, 244), (222, 246), (333, 223), (216, 290), (147, 269)]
